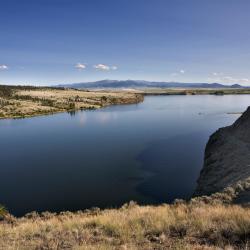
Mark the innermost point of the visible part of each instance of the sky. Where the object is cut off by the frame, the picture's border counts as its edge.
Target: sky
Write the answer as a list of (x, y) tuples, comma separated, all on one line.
[(66, 41)]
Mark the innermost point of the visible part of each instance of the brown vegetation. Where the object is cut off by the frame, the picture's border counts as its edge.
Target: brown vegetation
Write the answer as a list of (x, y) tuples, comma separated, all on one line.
[(178, 226), (25, 101), (21, 101)]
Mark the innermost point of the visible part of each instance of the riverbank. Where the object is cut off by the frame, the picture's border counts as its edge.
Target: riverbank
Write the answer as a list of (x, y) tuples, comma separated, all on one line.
[(178, 226), (27, 101), (20, 102)]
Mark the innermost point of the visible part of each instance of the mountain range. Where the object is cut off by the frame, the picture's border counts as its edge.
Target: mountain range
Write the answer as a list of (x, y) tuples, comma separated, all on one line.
[(145, 84)]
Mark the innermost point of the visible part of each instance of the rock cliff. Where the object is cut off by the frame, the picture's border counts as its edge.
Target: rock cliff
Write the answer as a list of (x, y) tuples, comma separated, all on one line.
[(227, 161)]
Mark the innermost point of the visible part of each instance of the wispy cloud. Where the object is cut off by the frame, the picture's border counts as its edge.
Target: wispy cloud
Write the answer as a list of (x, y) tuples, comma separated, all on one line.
[(104, 67), (180, 72), (221, 77), (246, 80), (114, 67), (231, 79), (4, 67), (80, 66), (217, 74), (99, 67)]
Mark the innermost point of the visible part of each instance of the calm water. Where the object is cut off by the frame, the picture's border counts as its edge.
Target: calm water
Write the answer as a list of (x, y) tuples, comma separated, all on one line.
[(150, 152)]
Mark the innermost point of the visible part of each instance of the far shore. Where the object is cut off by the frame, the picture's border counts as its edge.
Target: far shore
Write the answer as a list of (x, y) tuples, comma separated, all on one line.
[(194, 91), (28, 101)]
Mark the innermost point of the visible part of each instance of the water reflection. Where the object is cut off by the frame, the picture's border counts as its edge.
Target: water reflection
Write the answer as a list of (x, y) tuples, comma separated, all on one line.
[(102, 118)]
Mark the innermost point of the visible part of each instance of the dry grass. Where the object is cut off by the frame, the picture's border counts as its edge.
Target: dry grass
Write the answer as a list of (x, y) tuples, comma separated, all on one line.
[(25, 101), (180, 226), (18, 102)]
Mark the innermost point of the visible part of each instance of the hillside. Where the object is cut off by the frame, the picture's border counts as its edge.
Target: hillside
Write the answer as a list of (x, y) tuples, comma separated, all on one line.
[(227, 161), (180, 226), (24, 101)]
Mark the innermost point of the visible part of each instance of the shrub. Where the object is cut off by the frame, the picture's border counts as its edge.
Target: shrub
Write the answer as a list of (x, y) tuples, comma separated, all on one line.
[(72, 106), (5, 91), (47, 102), (3, 211), (104, 98)]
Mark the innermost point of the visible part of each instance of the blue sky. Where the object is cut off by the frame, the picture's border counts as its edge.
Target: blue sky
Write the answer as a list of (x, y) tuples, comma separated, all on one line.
[(62, 41)]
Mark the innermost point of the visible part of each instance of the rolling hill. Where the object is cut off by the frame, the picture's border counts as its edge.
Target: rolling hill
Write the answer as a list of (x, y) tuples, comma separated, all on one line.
[(144, 84)]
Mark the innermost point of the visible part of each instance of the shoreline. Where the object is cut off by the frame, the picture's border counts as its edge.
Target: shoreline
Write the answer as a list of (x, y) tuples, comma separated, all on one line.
[(61, 111), (17, 102), (24, 102)]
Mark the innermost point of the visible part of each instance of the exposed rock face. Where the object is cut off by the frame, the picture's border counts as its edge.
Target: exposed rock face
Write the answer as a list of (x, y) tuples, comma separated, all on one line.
[(227, 161)]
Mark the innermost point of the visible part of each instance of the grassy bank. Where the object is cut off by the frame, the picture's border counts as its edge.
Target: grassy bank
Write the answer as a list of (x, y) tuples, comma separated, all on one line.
[(25, 101), (179, 226)]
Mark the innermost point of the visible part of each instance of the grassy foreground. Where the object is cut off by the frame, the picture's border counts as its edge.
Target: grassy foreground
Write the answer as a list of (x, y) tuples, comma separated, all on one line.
[(178, 226)]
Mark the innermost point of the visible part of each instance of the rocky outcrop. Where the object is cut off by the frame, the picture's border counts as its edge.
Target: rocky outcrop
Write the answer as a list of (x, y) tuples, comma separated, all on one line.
[(227, 161)]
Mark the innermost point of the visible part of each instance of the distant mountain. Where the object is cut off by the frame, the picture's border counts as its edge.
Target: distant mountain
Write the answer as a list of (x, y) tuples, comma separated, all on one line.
[(144, 84)]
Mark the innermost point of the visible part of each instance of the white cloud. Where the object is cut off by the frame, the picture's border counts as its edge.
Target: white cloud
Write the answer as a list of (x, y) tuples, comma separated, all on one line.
[(235, 80), (4, 67), (80, 66), (217, 74), (228, 78), (246, 80), (105, 67), (180, 72), (101, 67), (221, 78)]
